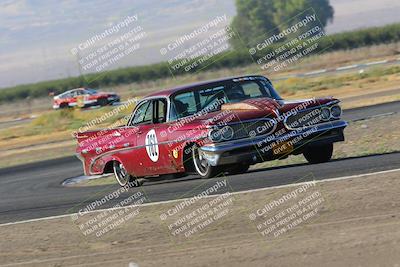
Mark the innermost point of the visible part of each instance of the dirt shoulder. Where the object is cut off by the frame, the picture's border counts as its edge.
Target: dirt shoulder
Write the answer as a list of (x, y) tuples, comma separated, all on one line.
[(356, 223)]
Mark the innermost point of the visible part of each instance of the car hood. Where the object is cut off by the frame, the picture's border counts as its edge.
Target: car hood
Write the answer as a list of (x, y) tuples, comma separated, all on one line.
[(258, 108)]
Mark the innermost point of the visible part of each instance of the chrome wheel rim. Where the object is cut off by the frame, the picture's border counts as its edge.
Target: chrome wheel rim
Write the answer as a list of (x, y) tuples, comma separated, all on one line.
[(200, 163), (120, 173)]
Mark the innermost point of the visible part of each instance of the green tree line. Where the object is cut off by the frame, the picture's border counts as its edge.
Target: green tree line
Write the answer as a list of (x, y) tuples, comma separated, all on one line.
[(256, 17)]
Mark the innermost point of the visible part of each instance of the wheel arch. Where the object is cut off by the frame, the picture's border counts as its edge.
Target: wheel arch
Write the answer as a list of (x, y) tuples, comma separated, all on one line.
[(187, 161), (64, 105), (108, 166)]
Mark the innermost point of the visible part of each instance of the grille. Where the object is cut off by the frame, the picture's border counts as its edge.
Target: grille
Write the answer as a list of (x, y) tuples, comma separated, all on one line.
[(304, 118), (253, 128)]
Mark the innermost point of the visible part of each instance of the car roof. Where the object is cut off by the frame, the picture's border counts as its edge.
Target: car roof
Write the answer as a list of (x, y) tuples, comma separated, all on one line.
[(171, 91), (72, 90)]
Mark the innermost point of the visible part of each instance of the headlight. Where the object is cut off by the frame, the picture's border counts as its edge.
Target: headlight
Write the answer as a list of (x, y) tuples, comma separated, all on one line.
[(336, 111), (227, 133), (221, 134), (325, 114), (215, 135)]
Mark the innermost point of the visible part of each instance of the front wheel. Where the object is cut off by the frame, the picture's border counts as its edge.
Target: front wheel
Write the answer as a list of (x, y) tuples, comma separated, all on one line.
[(124, 178), (203, 168), (318, 154)]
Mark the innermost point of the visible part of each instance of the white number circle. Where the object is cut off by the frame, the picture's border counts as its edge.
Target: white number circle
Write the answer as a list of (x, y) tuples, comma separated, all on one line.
[(152, 145)]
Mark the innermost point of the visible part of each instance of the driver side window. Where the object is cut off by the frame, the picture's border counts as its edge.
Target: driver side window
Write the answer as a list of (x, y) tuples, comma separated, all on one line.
[(74, 94), (160, 111), (143, 114)]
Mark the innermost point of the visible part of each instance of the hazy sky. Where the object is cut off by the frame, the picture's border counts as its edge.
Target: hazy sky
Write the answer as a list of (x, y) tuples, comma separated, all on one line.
[(36, 36)]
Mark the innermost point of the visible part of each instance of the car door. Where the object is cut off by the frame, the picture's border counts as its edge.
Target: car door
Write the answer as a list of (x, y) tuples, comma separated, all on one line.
[(80, 98), (65, 99), (130, 153), (167, 159), (72, 98), (152, 154)]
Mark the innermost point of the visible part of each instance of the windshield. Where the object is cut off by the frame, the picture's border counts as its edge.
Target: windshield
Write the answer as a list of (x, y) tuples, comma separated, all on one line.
[(211, 97), (90, 91)]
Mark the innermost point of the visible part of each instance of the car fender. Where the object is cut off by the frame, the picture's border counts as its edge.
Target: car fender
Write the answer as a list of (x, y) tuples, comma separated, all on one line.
[(107, 167), (185, 154), (101, 164)]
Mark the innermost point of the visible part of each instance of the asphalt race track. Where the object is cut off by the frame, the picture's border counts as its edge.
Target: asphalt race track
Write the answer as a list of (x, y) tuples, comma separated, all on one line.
[(34, 190)]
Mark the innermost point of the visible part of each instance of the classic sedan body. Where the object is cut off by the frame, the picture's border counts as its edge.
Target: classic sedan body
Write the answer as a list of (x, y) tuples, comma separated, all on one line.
[(83, 97), (212, 128)]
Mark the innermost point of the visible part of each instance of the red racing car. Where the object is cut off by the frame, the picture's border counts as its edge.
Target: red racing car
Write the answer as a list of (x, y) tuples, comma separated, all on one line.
[(83, 97), (212, 128)]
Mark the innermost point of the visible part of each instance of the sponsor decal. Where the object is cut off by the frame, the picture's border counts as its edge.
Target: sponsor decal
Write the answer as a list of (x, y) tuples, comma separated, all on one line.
[(152, 145)]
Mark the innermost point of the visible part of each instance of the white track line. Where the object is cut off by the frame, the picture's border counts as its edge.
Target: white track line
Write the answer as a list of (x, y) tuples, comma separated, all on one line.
[(316, 72), (348, 67), (377, 62), (209, 196)]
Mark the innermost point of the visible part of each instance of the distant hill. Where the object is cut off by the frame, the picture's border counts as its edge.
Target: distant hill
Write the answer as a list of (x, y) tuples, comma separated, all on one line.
[(37, 36), (354, 14)]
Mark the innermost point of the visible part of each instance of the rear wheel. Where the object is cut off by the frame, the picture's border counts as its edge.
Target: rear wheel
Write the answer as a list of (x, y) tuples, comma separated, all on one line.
[(124, 178), (203, 168), (318, 154), (64, 105), (102, 101)]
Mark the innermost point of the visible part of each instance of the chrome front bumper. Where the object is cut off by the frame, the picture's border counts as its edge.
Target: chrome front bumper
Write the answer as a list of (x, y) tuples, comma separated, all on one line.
[(250, 149)]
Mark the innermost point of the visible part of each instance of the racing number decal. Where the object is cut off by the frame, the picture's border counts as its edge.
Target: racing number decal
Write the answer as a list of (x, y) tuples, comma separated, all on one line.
[(152, 145)]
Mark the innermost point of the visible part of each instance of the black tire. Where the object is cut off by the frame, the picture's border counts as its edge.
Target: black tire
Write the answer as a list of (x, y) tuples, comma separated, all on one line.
[(237, 168), (318, 154), (64, 105), (205, 170), (123, 178), (102, 102)]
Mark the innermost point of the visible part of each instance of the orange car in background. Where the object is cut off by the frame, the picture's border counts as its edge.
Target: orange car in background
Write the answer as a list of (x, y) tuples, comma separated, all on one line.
[(84, 97)]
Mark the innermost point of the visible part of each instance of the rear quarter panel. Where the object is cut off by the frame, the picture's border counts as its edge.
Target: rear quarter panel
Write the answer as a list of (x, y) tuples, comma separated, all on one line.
[(98, 148)]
